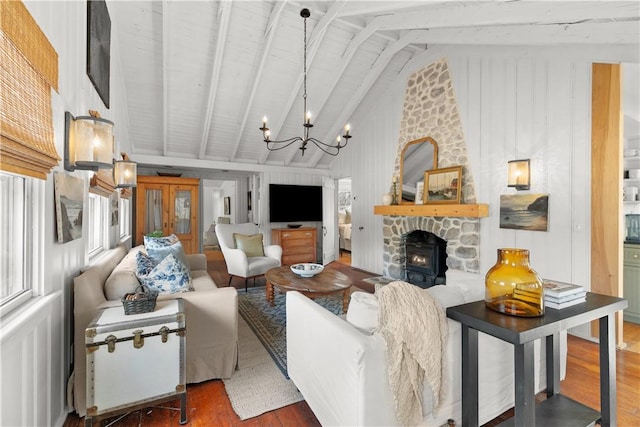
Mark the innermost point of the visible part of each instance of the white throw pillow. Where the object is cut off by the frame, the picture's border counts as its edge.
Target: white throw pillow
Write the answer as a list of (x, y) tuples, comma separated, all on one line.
[(363, 311)]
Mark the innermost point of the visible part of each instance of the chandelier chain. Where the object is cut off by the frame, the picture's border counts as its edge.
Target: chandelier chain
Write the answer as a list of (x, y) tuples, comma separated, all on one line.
[(331, 149)]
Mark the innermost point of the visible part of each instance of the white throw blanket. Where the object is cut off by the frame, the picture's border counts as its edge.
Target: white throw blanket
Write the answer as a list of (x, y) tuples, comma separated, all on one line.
[(414, 326)]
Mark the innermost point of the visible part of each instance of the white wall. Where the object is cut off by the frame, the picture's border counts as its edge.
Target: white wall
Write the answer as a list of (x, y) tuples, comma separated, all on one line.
[(515, 103), (35, 343)]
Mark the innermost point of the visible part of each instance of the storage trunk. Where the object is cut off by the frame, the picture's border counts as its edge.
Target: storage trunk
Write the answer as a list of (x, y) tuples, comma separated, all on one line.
[(134, 360)]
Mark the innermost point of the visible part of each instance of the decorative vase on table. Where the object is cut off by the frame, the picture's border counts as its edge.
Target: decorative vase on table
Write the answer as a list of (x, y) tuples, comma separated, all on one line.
[(512, 286)]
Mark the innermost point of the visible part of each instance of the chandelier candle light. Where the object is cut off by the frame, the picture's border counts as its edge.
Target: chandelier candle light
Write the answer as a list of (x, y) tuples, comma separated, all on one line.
[(331, 149)]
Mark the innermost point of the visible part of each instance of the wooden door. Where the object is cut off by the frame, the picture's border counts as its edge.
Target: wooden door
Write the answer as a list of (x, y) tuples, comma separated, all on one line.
[(183, 215), (152, 202)]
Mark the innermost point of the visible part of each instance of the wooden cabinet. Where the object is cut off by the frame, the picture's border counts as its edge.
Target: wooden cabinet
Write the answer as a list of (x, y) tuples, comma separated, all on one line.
[(170, 205), (298, 244), (631, 280)]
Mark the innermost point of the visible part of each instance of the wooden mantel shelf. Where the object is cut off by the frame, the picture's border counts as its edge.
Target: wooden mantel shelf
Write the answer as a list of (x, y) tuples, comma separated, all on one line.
[(468, 210)]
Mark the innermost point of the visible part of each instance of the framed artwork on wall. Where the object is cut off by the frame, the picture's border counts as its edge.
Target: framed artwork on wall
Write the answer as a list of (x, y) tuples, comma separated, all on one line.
[(99, 47), (443, 185), (524, 211), (227, 205), (69, 196)]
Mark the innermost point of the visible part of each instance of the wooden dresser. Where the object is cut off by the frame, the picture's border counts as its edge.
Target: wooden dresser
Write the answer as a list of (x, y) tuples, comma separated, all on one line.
[(298, 244)]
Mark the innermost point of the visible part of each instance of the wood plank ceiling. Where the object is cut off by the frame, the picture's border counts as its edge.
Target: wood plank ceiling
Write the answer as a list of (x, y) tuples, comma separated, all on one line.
[(200, 75)]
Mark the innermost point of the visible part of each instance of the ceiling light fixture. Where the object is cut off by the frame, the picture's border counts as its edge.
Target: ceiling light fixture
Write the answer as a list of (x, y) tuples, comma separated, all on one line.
[(331, 149)]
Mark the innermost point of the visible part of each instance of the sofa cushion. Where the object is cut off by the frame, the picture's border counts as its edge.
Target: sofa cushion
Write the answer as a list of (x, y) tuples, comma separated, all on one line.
[(252, 245), (120, 283), (169, 276), (122, 279), (471, 284), (363, 311)]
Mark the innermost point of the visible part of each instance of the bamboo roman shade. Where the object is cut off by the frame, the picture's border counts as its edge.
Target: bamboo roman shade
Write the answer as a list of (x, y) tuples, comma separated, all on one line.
[(102, 183), (28, 71)]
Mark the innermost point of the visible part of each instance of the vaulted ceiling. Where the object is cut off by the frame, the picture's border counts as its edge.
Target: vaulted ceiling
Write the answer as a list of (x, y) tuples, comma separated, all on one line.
[(200, 75)]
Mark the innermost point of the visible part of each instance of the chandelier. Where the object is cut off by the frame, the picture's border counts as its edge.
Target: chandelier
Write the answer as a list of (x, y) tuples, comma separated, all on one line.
[(331, 149)]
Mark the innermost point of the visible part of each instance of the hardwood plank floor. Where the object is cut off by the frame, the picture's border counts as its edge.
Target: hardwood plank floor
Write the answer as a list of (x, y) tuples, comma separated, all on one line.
[(208, 404)]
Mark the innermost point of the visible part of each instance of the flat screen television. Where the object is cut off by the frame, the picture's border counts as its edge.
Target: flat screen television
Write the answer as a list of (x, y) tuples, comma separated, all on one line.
[(289, 203)]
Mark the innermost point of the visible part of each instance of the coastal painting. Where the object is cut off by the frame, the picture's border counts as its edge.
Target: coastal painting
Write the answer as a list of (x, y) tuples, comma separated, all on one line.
[(69, 196), (524, 211)]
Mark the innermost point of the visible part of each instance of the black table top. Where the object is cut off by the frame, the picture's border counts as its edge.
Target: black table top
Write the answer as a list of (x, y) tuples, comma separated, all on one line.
[(519, 330)]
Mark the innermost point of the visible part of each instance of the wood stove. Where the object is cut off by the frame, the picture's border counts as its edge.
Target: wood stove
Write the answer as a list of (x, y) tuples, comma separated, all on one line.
[(426, 259)]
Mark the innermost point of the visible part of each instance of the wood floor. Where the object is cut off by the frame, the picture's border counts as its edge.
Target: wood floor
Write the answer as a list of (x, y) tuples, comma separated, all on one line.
[(208, 404)]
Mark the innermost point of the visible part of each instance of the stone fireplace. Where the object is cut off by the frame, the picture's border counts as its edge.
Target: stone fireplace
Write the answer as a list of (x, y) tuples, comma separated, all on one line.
[(460, 234), (430, 109)]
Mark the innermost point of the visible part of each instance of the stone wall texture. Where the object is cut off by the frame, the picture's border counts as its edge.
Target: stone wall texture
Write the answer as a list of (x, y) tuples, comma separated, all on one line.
[(430, 109)]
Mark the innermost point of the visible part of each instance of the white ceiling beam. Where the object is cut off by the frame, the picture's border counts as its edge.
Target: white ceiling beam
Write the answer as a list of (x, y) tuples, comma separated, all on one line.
[(149, 160), (361, 8), (276, 12), (165, 77), (615, 33), (266, 53), (224, 14), (380, 64), (317, 35), (480, 14)]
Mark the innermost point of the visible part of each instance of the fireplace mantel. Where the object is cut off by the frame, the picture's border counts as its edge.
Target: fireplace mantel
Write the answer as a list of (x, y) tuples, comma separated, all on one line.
[(480, 210)]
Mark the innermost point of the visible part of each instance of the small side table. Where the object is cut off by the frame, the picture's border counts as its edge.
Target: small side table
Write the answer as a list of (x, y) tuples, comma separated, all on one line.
[(556, 410)]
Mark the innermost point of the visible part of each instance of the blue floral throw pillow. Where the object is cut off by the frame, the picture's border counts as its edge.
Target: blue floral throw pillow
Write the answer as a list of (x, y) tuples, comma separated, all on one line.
[(169, 276), (159, 247), (159, 242), (144, 264)]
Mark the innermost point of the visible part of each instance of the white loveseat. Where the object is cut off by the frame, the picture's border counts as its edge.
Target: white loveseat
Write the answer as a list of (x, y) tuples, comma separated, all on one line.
[(341, 370)]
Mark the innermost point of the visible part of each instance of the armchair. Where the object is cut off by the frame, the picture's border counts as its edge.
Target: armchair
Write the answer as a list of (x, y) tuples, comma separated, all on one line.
[(238, 263)]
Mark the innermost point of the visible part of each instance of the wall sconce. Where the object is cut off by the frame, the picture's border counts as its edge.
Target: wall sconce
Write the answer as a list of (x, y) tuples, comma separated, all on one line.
[(88, 143), (518, 175), (125, 172)]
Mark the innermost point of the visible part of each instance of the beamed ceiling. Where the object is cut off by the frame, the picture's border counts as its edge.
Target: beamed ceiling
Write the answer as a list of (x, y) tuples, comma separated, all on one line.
[(200, 75)]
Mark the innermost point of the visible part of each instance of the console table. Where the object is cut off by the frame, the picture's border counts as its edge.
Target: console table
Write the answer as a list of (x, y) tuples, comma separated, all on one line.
[(556, 410)]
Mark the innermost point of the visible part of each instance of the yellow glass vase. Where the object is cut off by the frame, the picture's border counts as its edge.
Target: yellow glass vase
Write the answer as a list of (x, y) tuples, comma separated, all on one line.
[(512, 286)]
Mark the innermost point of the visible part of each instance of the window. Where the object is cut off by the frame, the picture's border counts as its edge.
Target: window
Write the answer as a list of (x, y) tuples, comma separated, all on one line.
[(98, 220), (125, 217), (15, 223)]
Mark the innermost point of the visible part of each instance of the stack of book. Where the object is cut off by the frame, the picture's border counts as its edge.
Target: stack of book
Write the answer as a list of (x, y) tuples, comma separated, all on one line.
[(560, 295)]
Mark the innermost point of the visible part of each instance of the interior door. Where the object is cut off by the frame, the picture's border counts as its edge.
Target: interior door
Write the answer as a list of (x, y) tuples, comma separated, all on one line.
[(329, 235), (154, 215), (183, 215)]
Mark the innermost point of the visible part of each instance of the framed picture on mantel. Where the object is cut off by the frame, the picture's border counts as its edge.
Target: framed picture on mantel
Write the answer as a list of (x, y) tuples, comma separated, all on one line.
[(443, 185)]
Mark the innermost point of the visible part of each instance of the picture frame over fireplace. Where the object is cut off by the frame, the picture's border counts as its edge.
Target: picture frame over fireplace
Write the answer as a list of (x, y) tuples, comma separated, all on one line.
[(443, 185)]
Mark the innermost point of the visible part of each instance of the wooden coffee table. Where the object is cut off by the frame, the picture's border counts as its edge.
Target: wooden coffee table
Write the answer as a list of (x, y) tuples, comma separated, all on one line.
[(326, 283)]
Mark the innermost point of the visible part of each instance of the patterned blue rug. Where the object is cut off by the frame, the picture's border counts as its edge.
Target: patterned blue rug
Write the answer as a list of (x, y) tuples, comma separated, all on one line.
[(269, 323)]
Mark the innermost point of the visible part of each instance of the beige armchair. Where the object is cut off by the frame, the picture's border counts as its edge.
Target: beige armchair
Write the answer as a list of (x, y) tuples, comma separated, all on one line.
[(252, 263)]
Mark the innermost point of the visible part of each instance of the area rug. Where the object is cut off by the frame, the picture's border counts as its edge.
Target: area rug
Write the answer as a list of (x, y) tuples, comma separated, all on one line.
[(257, 386), (269, 323)]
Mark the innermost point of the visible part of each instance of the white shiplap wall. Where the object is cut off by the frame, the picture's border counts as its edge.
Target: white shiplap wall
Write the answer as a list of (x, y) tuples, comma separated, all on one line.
[(515, 103), (35, 343)]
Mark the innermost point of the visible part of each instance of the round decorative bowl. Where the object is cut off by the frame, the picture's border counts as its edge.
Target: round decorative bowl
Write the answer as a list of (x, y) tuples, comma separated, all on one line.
[(307, 269)]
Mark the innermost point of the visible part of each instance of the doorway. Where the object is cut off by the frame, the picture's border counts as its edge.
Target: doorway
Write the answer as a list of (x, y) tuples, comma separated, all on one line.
[(214, 211), (344, 220)]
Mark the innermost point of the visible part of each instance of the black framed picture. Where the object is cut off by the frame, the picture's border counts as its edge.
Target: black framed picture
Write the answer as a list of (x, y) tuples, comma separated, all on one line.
[(227, 205), (99, 47)]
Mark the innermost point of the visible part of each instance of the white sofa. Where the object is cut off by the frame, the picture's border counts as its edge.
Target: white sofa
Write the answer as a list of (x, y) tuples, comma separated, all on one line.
[(341, 370)]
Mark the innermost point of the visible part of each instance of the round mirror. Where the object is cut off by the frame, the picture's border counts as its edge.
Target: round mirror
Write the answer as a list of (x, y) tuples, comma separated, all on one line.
[(417, 156)]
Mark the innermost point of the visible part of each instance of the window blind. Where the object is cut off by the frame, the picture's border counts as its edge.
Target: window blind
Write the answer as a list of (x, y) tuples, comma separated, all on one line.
[(28, 71), (101, 183)]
